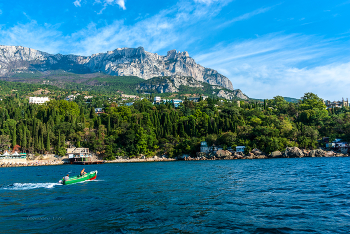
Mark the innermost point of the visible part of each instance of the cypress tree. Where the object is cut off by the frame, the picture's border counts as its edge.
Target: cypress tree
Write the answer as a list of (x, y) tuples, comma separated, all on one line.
[(109, 125), (24, 140), (48, 141), (92, 113), (59, 140), (14, 137)]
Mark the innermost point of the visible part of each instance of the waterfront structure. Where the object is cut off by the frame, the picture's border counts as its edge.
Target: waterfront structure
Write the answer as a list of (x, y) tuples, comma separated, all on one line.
[(38, 100), (78, 152), (14, 155), (240, 148), (204, 147), (338, 104), (339, 145)]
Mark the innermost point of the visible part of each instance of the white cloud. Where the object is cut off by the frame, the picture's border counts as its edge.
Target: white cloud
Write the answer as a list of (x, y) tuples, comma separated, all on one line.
[(164, 30), (105, 3), (206, 1), (32, 35), (246, 16), (120, 3), (77, 3), (282, 65)]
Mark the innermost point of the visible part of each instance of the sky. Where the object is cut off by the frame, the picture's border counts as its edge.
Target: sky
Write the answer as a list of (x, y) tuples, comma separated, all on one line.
[(266, 48)]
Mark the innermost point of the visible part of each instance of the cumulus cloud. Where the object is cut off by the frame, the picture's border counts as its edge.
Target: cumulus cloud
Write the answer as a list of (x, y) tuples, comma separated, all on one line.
[(282, 65), (77, 3), (121, 3)]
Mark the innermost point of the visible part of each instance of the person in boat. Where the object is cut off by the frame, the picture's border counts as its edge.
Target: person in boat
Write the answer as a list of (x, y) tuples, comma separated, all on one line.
[(66, 177), (82, 172)]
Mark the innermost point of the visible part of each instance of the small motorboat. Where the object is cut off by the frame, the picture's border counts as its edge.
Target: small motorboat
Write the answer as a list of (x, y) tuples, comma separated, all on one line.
[(72, 180)]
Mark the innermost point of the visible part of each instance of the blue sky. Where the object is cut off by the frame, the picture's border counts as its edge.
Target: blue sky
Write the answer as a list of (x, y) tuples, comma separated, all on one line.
[(266, 48)]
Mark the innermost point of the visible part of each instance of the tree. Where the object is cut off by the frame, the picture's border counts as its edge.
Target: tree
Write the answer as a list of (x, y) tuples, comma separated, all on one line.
[(14, 137), (5, 142), (48, 141)]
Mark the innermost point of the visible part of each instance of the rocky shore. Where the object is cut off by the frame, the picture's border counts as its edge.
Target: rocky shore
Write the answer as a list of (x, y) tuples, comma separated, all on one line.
[(30, 163), (142, 159), (290, 152)]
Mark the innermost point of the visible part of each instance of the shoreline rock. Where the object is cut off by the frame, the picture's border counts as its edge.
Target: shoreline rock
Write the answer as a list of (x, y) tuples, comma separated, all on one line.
[(291, 152)]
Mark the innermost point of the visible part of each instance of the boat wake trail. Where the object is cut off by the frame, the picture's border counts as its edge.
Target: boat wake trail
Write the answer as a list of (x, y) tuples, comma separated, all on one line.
[(28, 186)]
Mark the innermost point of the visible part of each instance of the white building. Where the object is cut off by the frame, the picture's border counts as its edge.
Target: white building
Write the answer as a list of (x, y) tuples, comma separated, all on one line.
[(157, 99), (240, 148), (130, 96), (38, 100)]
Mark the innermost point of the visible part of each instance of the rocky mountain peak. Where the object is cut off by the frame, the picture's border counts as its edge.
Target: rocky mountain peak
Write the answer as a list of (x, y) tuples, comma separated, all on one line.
[(120, 62)]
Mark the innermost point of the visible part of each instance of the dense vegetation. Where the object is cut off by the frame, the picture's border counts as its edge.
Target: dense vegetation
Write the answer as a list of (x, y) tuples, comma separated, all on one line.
[(96, 83), (150, 129)]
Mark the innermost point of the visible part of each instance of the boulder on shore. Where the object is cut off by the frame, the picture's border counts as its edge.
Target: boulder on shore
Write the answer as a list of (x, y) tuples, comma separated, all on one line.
[(317, 153), (275, 154), (257, 152), (293, 152), (223, 153)]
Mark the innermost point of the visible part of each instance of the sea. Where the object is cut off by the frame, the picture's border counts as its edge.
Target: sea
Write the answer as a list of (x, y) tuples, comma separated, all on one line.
[(291, 195)]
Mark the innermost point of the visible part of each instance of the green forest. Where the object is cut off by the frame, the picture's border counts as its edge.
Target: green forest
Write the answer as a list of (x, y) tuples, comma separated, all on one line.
[(148, 129)]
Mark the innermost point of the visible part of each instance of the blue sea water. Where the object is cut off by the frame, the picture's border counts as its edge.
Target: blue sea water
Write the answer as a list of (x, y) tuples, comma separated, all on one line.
[(306, 195)]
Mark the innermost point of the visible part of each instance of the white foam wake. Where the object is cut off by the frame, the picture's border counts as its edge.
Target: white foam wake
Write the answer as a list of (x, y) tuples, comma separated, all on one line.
[(27, 186)]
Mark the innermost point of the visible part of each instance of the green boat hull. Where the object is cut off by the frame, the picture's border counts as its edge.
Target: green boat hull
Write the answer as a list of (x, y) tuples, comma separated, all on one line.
[(76, 179)]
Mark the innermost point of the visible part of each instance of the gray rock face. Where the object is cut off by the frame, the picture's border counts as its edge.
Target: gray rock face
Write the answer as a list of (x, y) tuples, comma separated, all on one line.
[(293, 152), (120, 62), (317, 153), (276, 154), (230, 95), (223, 153), (170, 84)]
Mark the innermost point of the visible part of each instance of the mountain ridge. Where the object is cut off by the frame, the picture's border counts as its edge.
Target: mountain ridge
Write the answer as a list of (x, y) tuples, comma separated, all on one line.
[(119, 62)]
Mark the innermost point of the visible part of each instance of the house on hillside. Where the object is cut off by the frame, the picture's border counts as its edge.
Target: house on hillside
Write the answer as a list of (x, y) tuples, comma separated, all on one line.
[(99, 111), (38, 100), (176, 102), (338, 104)]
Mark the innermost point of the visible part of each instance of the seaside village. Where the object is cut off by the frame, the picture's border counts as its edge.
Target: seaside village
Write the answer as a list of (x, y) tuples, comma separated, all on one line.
[(13, 157)]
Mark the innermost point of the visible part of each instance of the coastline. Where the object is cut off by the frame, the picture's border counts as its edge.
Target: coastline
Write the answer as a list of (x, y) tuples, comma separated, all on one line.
[(34, 163)]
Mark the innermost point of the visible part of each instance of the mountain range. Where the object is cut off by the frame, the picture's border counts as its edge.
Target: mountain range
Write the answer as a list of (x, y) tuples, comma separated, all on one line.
[(120, 62)]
